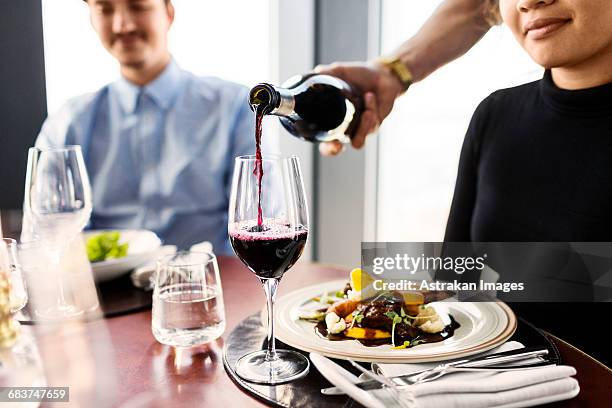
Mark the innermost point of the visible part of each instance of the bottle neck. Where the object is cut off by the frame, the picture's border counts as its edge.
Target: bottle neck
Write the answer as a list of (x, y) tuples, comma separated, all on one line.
[(271, 100), (286, 105)]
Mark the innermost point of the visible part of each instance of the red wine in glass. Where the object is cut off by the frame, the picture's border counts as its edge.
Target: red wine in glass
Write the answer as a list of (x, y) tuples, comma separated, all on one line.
[(268, 229), (269, 252)]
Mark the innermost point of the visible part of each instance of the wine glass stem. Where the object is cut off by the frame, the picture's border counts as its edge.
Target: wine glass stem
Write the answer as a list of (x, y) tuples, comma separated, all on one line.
[(270, 286)]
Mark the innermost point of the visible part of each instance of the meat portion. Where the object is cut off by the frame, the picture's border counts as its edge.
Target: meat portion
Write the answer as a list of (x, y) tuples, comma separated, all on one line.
[(375, 314)]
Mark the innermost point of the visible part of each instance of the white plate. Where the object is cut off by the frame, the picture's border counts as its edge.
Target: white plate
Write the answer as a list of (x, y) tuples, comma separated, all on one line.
[(142, 247), (484, 326)]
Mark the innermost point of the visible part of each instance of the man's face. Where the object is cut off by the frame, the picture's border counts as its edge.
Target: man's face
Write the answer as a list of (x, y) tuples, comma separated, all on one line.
[(133, 31), (560, 33)]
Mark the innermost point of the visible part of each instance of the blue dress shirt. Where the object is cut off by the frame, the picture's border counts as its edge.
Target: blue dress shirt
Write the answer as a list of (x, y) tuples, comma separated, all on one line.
[(160, 157)]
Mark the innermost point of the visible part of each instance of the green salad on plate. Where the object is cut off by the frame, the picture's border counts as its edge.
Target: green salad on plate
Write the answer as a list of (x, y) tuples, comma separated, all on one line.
[(105, 245)]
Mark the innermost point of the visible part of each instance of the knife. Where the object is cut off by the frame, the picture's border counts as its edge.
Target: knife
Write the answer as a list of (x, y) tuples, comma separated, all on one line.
[(483, 361)]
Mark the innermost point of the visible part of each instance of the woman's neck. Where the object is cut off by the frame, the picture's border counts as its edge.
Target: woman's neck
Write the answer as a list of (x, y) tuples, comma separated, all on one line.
[(589, 73)]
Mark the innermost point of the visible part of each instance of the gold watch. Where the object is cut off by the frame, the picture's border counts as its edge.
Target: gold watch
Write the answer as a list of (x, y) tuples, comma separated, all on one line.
[(398, 69)]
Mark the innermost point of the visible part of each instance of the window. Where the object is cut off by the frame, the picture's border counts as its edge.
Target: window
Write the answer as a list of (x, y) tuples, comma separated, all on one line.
[(421, 140), (207, 38)]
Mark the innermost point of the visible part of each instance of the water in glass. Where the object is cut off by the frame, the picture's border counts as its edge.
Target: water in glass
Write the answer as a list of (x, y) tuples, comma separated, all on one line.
[(187, 315), (187, 300)]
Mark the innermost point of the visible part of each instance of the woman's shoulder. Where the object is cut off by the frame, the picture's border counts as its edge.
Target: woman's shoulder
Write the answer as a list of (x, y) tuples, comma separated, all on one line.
[(501, 109), (508, 97), (507, 103)]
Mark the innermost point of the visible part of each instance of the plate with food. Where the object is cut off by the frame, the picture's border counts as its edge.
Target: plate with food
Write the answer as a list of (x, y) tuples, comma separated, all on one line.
[(343, 320), (115, 252)]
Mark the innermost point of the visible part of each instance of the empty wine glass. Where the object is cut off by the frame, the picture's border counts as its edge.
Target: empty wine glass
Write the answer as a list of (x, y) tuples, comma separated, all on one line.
[(58, 206), (268, 228)]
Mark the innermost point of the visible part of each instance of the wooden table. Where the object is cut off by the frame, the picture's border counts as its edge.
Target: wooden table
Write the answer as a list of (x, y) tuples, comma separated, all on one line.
[(138, 363)]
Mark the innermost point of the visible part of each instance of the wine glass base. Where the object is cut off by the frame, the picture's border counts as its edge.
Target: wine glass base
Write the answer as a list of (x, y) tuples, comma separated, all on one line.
[(288, 366), (59, 312)]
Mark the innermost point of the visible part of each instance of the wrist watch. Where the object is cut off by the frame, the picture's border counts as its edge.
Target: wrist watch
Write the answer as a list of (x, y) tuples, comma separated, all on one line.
[(398, 69)]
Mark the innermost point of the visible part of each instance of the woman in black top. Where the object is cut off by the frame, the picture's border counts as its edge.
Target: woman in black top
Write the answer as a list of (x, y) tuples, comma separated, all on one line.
[(536, 164)]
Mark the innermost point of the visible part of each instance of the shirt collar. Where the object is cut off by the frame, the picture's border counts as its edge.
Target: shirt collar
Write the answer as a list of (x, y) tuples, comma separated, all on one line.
[(162, 89), (590, 101)]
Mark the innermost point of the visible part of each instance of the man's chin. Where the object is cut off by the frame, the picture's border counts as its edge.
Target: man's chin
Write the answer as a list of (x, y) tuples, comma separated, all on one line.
[(130, 61), (128, 56)]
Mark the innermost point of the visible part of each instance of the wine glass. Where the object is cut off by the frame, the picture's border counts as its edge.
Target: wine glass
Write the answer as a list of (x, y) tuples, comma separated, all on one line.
[(58, 206), (268, 228)]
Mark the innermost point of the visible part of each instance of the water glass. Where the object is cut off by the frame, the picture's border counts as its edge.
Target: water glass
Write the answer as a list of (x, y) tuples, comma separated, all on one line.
[(187, 299)]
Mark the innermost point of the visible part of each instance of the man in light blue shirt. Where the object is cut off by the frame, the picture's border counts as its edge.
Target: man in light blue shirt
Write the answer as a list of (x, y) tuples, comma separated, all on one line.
[(159, 143)]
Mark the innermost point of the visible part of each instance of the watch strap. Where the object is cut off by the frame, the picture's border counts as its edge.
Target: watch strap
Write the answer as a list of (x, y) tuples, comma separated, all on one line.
[(397, 67)]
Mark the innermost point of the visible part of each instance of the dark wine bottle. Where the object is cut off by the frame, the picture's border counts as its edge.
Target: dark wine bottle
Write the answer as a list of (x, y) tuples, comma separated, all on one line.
[(313, 107)]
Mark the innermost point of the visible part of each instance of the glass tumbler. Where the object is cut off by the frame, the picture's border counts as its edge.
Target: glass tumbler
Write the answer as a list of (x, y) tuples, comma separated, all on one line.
[(187, 299)]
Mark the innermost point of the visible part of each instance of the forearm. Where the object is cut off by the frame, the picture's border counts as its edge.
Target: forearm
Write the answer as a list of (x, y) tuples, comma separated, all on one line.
[(453, 28)]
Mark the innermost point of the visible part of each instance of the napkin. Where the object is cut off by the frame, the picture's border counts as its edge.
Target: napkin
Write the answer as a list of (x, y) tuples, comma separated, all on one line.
[(521, 388), (141, 276)]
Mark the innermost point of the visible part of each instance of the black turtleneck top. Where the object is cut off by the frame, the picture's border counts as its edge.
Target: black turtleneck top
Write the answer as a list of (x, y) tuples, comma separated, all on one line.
[(536, 165)]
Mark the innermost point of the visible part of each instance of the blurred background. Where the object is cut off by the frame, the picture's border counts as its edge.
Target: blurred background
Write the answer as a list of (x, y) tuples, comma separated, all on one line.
[(398, 188)]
